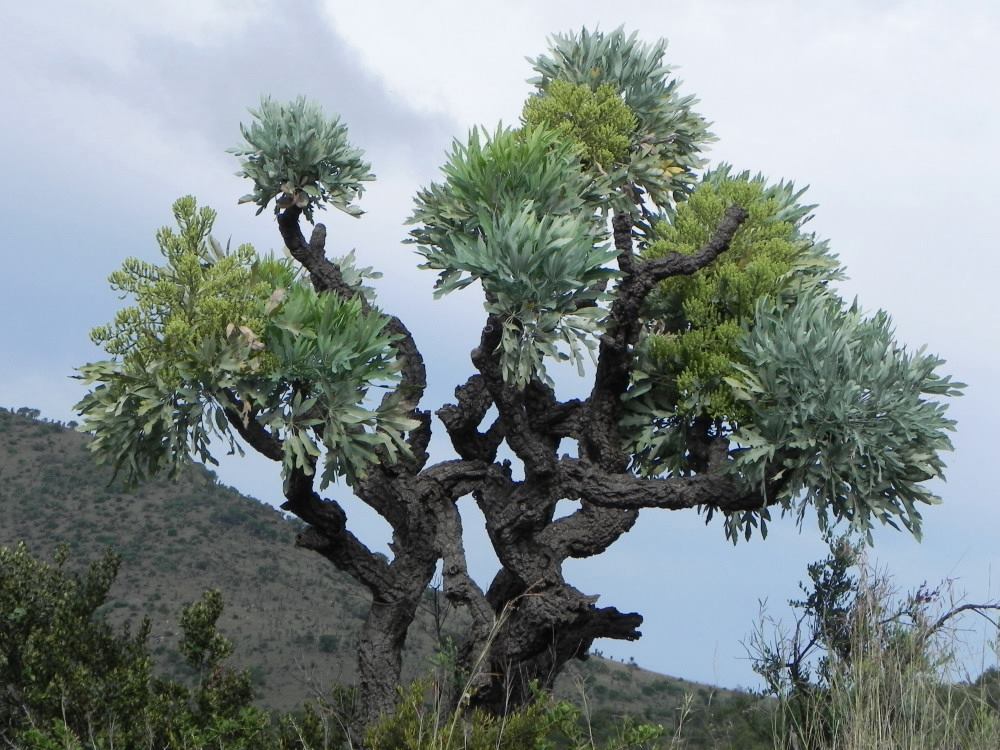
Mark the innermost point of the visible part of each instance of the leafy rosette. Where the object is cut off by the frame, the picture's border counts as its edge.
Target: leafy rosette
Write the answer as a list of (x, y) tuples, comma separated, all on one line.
[(217, 339), (840, 414), (694, 325), (297, 157), (515, 214), (331, 352), (542, 278), (617, 99)]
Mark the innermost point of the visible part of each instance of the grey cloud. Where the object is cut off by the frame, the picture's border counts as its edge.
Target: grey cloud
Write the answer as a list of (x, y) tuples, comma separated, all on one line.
[(207, 88), (97, 205)]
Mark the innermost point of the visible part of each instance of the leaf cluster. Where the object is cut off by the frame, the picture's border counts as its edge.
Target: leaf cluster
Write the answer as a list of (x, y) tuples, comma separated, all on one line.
[(195, 295), (516, 213), (694, 324), (213, 335), (145, 422), (541, 277), (666, 143), (598, 121), (297, 156), (331, 352), (491, 173), (842, 414)]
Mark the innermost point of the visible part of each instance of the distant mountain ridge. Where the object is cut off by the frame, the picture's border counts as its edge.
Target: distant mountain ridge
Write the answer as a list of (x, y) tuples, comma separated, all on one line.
[(292, 616)]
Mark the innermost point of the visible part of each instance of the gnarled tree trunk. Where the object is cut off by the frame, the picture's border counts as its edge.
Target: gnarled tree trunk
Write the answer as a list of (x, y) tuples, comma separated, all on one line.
[(530, 621)]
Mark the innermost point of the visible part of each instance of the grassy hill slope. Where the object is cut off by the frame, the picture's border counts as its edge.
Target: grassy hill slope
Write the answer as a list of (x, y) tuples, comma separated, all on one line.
[(293, 617)]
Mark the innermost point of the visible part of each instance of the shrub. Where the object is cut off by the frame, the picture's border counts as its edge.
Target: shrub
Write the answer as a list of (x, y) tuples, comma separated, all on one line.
[(867, 668)]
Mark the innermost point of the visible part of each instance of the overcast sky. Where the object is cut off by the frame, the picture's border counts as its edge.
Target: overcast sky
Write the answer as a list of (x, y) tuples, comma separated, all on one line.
[(888, 110)]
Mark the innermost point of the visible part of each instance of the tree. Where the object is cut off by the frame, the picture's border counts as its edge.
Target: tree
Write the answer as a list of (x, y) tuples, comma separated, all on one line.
[(728, 376)]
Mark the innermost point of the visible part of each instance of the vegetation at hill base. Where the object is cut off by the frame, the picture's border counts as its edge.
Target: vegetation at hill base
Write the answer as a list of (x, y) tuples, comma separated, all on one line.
[(166, 535), (88, 657)]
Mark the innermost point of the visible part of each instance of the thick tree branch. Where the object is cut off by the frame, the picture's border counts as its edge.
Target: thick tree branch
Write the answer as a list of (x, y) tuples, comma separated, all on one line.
[(626, 491), (459, 588), (608, 622), (588, 531), (536, 451), (562, 419), (403, 499), (652, 272), (547, 625), (326, 276), (547, 415), (462, 421), (622, 227), (457, 478), (418, 439), (631, 293), (255, 435), (602, 443), (623, 323), (329, 536)]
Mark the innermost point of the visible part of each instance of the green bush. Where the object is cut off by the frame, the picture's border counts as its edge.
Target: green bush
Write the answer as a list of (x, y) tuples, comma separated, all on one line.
[(420, 724), (69, 681), (61, 669)]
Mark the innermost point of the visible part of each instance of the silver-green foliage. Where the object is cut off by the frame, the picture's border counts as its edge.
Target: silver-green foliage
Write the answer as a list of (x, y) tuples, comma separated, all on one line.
[(294, 154), (145, 421), (667, 142), (542, 276), (490, 173), (843, 414), (516, 213), (339, 352), (297, 362)]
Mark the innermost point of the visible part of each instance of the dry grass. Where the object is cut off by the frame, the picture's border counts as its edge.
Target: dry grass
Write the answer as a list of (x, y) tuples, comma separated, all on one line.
[(899, 684)]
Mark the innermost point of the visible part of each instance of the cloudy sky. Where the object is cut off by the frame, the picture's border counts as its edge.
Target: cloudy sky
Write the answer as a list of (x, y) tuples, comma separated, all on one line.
[(888, 110)]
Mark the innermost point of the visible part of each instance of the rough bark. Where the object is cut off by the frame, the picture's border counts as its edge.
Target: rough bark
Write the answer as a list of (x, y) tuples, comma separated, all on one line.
[(545, 621), (530, 621)]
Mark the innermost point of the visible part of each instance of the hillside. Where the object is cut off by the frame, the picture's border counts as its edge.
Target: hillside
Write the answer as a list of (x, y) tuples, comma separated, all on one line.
[(293, 617)]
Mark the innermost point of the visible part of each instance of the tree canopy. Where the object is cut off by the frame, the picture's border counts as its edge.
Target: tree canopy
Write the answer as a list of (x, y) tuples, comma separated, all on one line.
[(728, 376)]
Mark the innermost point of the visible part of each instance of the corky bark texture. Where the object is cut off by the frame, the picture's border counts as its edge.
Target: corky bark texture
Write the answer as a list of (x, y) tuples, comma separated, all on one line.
[(530, 621)]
